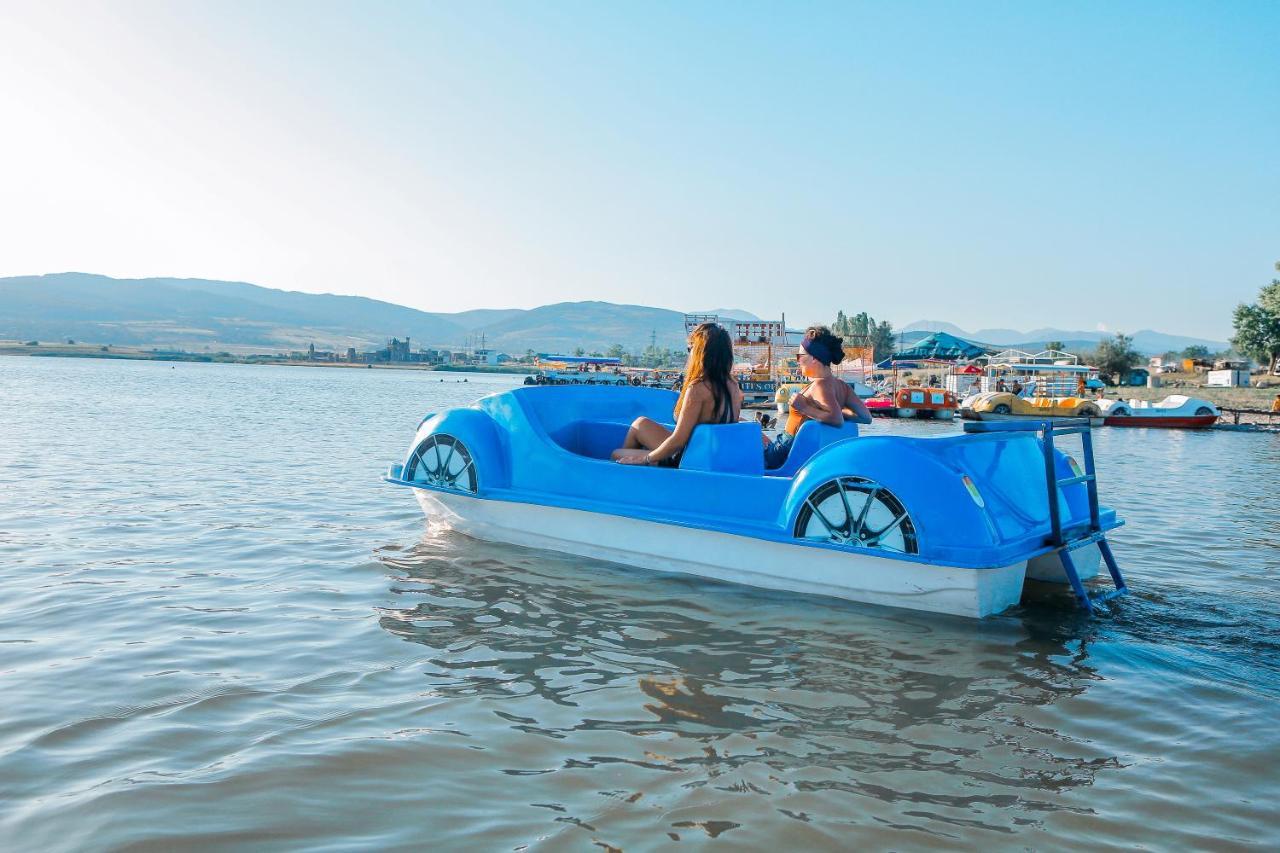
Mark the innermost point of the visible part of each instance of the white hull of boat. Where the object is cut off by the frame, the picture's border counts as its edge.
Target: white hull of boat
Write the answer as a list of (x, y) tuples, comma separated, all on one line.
[(1048, 567), (727, 557)]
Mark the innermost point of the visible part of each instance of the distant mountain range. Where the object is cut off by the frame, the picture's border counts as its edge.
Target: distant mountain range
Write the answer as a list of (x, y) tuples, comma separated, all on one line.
[(1145, 341), (200, 314)]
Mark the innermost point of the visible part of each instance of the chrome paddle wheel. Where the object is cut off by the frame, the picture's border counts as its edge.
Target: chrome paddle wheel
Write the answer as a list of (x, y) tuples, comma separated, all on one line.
[(857, 513), (443, 461)]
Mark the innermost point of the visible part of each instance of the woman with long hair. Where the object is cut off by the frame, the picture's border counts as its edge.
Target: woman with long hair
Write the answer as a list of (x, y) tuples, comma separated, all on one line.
[(826, 398), (709, 396)]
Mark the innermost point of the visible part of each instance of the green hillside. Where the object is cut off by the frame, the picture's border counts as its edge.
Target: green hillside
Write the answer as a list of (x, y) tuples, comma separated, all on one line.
[(200, 314)]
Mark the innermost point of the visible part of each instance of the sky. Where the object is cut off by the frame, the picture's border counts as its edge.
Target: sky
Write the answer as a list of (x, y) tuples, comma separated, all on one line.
[(1016, 165)]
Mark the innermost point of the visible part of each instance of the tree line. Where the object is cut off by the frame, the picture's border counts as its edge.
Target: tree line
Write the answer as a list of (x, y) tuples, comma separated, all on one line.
[(862, 330)]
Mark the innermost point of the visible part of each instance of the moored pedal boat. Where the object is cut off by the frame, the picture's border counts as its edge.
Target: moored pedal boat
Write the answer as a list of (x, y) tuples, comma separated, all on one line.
[(935, 403), (1002, 405), (1176, 411), (947, 524), (881, 407), (925, 403)]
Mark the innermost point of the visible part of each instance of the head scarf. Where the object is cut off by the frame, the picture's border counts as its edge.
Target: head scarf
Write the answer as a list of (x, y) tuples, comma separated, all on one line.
[(818, 349)]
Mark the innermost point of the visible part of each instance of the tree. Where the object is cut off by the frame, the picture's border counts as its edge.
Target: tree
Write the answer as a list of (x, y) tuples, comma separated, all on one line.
[(1056, 345), (1116, 357), (579, 351), (616, 351), (1258, 327), (1195, 351), (882, 340), (1269, 296), (863, 330)]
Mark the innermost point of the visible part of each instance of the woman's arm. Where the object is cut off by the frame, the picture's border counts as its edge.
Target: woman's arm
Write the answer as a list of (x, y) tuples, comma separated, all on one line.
[(854, 403), (807, 408), (688, 419), (738, 397), (819, 402)]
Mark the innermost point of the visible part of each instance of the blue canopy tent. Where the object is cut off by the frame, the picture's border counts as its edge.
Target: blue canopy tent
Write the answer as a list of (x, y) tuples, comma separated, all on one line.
[(940, 346)]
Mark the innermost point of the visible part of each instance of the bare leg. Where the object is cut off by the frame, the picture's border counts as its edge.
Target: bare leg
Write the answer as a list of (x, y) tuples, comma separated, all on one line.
[(644, 435)]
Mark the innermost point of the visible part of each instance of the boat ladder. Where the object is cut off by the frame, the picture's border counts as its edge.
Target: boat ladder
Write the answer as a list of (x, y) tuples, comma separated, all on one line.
[(1064, 542)]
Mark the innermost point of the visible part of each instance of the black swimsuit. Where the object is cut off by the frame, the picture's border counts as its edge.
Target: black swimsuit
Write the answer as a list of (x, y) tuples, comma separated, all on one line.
[(724, 417)]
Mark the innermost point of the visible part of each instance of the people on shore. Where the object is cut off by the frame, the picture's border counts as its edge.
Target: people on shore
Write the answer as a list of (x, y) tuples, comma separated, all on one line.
[(826, 398), (1275, 405), (709, 395)]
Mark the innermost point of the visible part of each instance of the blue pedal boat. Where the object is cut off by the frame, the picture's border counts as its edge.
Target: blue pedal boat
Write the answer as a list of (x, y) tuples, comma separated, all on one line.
[(952, 524)]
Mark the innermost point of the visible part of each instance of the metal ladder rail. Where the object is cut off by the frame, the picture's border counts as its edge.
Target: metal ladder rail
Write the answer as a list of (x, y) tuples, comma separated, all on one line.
[(1095, 534)]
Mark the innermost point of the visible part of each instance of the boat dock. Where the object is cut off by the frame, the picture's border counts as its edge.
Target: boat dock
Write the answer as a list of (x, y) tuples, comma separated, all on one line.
[(1255, 420)]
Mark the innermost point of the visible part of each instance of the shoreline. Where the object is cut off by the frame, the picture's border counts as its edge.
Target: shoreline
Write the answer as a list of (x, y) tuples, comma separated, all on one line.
[(1256, 397), (199, 358)]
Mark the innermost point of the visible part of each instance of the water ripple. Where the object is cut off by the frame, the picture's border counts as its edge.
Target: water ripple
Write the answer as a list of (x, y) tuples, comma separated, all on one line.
[(218, 630)]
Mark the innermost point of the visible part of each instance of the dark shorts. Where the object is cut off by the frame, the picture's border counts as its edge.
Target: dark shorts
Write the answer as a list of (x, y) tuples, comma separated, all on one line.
[(776, 452)]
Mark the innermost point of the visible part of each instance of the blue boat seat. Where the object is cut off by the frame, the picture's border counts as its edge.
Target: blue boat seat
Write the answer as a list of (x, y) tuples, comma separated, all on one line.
[(725, 449), (810, 438), (594, 438)]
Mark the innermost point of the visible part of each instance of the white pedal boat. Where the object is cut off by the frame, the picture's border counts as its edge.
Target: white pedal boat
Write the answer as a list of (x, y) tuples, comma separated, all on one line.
[(948, 524), (1173, 412)]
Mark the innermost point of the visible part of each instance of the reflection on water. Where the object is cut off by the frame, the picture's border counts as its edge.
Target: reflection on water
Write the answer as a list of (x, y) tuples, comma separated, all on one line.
[(817, 706), (219, 630)]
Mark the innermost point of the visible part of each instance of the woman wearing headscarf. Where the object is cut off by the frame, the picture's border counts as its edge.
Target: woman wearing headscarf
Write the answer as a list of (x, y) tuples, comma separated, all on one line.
[(826, 398)]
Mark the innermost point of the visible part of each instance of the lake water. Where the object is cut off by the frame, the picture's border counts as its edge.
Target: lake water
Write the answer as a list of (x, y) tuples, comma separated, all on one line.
[(219, 629)]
